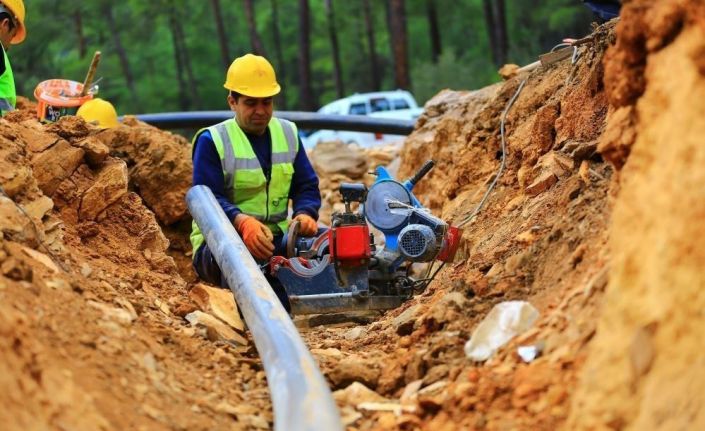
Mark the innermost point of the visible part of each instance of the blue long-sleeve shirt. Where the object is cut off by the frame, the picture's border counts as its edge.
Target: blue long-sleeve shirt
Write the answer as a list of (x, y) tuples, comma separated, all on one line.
[(208, 171), (605, 9)]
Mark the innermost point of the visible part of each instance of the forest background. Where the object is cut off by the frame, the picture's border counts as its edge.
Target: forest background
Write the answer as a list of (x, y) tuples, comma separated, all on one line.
[(171, 55)]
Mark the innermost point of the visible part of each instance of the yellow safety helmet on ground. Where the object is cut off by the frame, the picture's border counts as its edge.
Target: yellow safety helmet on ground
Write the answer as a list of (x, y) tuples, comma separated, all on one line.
[(16, 7), (253, 76), (100, 111)]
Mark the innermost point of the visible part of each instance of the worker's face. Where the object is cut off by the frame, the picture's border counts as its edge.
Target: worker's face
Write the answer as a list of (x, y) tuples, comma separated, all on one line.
[(253, 113), (6, 34)]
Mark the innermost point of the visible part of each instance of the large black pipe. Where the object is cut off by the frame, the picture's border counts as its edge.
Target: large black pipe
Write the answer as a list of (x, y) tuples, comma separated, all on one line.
[(304, 120)]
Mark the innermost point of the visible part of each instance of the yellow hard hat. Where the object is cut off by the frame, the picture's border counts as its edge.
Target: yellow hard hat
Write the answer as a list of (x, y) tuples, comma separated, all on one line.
[(253, 76), (100, 111), (16, 7)]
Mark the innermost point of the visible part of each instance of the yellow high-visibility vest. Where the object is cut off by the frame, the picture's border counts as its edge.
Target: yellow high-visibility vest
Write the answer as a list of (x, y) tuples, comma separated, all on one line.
[(245, 183)]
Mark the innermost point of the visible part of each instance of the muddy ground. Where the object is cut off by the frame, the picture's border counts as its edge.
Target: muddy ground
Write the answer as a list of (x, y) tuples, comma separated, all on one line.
[(597, 222)]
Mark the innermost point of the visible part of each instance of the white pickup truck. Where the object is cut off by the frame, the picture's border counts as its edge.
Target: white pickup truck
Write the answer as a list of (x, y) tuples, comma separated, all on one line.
[(397, 104)]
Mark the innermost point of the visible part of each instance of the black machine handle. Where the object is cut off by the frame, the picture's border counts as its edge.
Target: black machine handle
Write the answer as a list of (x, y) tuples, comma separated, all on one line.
[(353, 192), (422, 172)]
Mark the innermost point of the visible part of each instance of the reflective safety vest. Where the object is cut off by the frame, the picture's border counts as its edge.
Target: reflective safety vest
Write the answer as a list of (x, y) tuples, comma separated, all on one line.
[(8, 96), (245, 183)]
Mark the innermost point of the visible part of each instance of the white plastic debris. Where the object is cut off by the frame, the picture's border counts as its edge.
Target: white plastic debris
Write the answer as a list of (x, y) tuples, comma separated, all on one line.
[(528, 353), (505, 321)]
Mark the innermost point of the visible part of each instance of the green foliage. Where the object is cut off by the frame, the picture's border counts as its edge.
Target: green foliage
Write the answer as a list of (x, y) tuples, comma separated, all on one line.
[(536, 27), (51, 49), (450, 72)]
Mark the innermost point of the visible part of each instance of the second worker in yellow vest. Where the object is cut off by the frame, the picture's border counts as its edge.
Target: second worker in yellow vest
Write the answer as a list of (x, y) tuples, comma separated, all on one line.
[(12, 32), (255, 164)]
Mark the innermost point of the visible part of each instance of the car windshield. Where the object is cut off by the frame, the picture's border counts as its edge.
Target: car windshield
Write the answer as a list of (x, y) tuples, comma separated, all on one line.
[(399, 104), (380, 104), (358, 109)]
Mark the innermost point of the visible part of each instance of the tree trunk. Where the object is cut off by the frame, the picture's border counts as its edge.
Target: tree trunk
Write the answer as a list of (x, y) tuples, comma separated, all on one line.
[(222, 37), (255, 40), (362, 78), (122, 56), (307, 102), (281, 66), (489, 23), (500, 31), (337, 68), (191, 85), (397, 20), (496, 30), (371, 49), (183, 96), (78, 20), (434, 32)]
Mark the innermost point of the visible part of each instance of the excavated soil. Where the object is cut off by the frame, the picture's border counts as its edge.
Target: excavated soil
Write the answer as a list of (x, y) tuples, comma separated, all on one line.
[(541, 238), (596, 221), (90, 339), (645, 366)]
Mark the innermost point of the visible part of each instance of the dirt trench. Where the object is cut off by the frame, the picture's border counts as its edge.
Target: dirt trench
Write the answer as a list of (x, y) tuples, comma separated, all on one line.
[(596, 221)]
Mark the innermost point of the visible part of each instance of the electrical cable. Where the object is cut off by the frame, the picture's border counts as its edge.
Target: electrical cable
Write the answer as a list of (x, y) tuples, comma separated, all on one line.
[(424, 282), (427, 280), (561, 45), (500, 171)]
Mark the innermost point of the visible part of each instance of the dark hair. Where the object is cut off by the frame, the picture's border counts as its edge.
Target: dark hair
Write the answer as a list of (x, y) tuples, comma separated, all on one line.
[(235, 95), (6, 15)]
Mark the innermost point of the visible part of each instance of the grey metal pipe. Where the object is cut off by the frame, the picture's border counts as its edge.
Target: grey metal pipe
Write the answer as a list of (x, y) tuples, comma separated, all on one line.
[(305, 120), (301, 398)]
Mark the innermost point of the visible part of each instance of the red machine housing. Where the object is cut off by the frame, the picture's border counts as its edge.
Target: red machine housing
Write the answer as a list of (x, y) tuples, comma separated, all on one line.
[(450, 244), (350, 244)]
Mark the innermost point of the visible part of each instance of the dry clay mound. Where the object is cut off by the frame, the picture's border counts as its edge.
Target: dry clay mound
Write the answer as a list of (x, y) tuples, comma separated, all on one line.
[(91, 306), (160, 171), (159, 165), (645, 368)]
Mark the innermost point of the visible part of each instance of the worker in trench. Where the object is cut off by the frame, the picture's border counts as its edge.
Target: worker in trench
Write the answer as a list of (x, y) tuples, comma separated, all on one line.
[(12, 32), (254, 164)]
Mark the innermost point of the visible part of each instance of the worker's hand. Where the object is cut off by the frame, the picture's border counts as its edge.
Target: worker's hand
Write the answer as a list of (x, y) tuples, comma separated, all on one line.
[(256, 236), (307, 225)]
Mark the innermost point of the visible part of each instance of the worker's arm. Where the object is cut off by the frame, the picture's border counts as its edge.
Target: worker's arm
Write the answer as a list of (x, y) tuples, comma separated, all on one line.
[(208, 171), (304, 192)]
